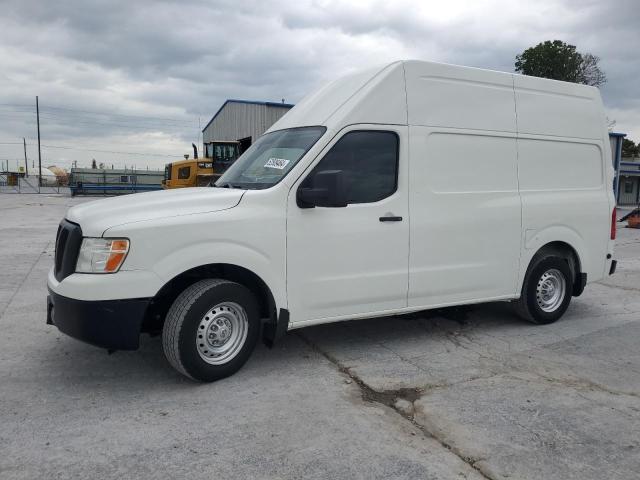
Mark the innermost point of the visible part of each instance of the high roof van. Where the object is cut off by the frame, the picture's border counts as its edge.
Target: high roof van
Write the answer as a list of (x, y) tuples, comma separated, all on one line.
[(397, 189)]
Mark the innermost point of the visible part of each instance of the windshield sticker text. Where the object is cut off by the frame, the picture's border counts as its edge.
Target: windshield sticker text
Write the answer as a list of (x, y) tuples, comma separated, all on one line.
[(279, 163)]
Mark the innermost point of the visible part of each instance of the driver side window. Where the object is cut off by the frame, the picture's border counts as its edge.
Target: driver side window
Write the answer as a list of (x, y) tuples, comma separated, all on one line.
[(369, 162)]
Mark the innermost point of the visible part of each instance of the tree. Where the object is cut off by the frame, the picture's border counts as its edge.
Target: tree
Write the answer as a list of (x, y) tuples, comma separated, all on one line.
[(93, 164), (560, 61), (591, 73), (630, 149)]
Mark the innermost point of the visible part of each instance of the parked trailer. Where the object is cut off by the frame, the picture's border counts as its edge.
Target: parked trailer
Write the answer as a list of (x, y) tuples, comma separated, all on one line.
[(91, 181)]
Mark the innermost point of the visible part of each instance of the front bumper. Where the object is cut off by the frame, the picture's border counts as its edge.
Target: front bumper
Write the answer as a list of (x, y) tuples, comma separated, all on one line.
[(106, 286), (111, 324)]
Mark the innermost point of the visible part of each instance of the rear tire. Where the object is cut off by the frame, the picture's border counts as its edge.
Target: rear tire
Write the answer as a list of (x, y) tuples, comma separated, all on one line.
[(211, 329), (546, 291)]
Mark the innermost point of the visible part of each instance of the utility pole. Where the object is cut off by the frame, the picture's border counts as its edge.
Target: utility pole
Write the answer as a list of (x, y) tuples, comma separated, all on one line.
[(39, 153), (26, 164)]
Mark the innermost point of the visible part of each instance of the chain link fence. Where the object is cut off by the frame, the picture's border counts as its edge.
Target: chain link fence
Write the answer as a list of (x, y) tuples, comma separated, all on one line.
[(11, 183), (84, 181)]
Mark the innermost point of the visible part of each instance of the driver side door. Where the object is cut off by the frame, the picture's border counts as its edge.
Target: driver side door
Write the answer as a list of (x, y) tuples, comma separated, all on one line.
[(352, 260)]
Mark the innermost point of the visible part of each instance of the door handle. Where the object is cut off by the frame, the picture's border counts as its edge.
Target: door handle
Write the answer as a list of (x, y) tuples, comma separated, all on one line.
[(390, 219)]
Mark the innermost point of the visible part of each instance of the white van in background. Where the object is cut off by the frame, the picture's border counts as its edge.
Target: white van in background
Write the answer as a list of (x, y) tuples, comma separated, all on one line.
[(413, 186)]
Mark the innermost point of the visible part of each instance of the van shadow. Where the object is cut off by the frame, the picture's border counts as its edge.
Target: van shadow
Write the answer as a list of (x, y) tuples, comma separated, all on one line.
[(469, 319), (435, 347), (490, 327), (69, 362), (476, 319)]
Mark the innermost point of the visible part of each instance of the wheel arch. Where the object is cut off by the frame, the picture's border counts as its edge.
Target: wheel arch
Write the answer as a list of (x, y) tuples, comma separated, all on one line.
[(569, 253), (163, 299)]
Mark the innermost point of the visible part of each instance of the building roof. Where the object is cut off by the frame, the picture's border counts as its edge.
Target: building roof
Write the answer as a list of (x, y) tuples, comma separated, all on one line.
[(249, 102), (617, 134)]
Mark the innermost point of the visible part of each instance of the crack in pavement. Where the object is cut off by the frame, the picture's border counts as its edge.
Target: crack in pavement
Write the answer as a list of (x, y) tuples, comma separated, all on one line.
[(621, 287), (390, 398), (579, 384), (404, 359)]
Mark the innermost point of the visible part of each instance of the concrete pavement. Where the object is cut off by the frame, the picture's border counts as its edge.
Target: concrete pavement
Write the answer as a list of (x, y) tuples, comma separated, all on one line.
[(513, 399), (469, 392)]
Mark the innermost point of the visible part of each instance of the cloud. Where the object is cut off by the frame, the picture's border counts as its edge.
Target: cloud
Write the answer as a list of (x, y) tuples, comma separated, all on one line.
[(158, 69)]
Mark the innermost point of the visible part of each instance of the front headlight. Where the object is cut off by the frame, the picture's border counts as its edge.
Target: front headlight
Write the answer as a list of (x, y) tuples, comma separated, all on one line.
[(101, 255)]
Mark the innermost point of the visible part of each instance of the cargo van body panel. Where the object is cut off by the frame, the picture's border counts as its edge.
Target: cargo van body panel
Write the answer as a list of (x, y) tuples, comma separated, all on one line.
[(447, 96), (465, 216), (559, 109), (573, 199)]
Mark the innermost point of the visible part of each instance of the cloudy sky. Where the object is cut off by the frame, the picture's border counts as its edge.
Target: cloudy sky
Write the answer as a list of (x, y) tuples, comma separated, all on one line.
[(140, 77)]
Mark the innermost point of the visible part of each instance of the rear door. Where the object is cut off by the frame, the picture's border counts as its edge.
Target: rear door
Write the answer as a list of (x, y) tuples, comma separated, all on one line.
[(352, 261)]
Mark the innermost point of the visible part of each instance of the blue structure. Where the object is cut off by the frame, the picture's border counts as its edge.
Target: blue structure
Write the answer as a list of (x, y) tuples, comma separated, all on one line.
[(616, 155), (89, 181)]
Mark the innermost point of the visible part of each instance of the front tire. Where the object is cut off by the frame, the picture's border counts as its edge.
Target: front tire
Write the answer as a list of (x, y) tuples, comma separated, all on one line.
[(211, 329), (547, 289)]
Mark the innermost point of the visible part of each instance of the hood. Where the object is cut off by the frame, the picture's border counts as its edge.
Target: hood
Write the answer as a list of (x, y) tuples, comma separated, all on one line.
[(96, 217)]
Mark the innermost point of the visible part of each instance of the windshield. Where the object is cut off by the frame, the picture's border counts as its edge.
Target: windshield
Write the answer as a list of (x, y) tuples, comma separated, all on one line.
[(222, 152), (269, 160)]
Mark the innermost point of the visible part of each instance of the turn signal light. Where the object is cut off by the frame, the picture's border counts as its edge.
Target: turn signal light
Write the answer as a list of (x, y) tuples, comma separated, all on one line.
[(102, 255)]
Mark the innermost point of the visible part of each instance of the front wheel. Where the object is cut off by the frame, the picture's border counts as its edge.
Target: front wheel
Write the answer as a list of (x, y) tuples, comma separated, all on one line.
[(547, 290), (211, 329)]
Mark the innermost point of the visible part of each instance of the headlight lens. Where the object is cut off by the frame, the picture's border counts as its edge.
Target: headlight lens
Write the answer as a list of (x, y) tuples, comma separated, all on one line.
[(102, 255)]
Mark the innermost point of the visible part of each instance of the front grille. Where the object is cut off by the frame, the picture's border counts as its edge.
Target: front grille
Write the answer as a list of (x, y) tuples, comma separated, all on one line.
[(68, 241)]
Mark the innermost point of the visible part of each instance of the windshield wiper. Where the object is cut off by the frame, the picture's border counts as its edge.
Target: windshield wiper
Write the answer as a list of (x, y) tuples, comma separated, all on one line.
[(226, 185)]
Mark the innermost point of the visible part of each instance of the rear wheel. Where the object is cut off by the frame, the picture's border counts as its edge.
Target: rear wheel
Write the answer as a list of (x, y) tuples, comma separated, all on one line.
[(547, 289), (211, 329)]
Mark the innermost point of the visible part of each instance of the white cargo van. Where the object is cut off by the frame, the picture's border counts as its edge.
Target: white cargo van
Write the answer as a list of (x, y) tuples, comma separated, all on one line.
[(397, 189)]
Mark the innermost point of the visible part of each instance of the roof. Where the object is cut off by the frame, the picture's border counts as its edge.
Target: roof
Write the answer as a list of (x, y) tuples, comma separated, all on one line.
[(617, 134), (249, 102), (374, 95), (414, 92)]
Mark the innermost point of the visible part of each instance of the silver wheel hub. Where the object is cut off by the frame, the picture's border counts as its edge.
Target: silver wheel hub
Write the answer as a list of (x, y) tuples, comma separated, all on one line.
[(551, 290), (221, 333)]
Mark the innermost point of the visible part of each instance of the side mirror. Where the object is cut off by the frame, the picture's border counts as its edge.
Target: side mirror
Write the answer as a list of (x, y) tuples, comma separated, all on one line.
[(327, 190)]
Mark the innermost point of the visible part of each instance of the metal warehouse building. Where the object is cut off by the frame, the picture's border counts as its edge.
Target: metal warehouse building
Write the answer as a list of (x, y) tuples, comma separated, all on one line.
[(626, 184), (243, 121), (629, 181)]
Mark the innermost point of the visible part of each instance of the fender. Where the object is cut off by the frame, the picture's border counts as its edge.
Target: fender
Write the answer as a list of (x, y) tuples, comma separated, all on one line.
[(251, 235), (270, 270), (535, 239)]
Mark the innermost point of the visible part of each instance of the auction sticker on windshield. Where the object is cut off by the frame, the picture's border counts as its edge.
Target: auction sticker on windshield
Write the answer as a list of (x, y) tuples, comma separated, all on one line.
[(279, 163)]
